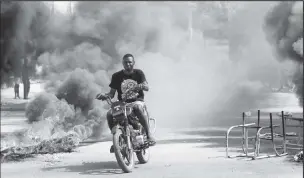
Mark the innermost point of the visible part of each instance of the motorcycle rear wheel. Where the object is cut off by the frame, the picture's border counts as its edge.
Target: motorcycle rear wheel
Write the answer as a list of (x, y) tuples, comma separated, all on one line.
[(118, 140), (143, 155)]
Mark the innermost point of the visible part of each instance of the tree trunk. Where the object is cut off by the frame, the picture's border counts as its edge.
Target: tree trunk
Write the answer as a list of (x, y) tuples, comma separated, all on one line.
[(25, 79)]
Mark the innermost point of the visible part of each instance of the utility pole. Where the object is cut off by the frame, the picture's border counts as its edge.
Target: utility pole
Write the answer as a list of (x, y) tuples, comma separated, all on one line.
[(190, 21), (25, 78), (52, 8), (70, 8)]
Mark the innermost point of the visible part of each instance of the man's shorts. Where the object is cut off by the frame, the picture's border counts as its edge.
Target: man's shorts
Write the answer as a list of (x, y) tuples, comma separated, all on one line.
[(141, 104), (138, 103)]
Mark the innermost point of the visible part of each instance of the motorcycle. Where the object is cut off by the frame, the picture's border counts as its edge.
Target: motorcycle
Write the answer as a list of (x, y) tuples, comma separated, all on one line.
[(129, 136)]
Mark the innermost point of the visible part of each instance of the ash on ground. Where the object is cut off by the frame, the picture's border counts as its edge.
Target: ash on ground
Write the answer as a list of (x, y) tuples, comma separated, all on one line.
[(57, 145)]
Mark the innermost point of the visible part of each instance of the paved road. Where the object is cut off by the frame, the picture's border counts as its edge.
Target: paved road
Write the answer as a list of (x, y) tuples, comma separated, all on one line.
[(194, 153), (179, 156)]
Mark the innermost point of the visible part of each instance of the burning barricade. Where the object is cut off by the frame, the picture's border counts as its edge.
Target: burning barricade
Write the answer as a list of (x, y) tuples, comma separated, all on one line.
[(57, 125), (64, 144), (47, 136)]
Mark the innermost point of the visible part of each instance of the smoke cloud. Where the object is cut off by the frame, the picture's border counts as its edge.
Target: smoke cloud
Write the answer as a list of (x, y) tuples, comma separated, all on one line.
[(191, 80), (284, 29), (22, 30)]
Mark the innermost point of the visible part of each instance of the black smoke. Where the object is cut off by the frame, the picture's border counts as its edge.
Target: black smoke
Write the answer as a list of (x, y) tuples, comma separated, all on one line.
[(284, 30), (189, 80), (23, 29)]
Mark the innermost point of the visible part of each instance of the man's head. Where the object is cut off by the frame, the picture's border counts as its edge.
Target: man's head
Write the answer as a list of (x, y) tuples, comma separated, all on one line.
[(128, 62)]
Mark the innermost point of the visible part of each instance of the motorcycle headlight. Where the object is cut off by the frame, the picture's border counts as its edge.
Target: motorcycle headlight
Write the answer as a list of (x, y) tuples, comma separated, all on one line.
[(117, 110)]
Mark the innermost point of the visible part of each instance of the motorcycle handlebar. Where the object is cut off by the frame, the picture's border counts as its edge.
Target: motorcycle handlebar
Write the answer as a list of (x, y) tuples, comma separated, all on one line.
[(108, 99)]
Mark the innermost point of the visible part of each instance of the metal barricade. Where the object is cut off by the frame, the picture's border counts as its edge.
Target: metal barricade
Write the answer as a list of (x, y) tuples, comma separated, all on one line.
[(271, 136), (294, 139), (245, 138)]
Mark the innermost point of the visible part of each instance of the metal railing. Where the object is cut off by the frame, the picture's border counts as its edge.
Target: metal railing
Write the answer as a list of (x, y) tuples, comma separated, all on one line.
[(274, 137)]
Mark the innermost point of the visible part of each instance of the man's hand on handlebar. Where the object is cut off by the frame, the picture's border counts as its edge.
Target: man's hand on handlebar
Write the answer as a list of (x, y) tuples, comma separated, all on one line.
[(102, 97)]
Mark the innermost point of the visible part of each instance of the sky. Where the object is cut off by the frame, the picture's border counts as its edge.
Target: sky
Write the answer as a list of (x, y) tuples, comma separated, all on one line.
[(61, 6)]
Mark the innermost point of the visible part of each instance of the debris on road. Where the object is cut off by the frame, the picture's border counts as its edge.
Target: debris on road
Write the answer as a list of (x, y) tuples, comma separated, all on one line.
[(57, 145), (298, 157)]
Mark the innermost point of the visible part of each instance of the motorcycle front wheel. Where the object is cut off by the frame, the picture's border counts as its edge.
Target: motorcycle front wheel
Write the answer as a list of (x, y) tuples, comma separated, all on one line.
[(123, 154)]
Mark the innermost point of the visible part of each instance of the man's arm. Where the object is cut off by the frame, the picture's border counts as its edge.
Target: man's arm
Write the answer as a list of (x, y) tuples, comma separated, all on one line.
[(113, 86), (111, 93), (143, 84)]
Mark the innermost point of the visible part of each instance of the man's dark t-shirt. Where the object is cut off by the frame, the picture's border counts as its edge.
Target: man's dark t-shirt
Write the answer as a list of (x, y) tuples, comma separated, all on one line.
[(119, 77)]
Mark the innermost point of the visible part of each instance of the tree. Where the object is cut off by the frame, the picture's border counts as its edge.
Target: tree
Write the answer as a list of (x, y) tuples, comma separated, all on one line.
[(22, 32)]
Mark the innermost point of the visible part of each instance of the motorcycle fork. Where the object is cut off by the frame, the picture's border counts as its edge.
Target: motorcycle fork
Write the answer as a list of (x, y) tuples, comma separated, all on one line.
[(127, 129), (127, 135)]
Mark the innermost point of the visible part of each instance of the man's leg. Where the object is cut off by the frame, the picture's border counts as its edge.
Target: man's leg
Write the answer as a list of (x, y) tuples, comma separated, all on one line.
[(111, 125), (143, 119), (110, 120)]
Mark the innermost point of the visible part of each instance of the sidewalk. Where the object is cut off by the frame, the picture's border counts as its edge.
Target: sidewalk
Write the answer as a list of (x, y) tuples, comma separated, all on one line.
[(8, 101)]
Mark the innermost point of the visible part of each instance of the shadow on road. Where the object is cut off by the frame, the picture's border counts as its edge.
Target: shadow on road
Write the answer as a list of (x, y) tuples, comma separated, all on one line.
[(13, 106), (94, 141), (91, 168), (210, 138)]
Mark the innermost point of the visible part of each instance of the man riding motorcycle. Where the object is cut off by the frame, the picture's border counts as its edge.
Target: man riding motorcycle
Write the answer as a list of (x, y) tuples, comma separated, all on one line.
[(130, 79)]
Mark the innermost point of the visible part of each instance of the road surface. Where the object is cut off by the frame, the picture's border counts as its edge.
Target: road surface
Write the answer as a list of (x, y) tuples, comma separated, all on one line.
[(180, 156), (193, 153)]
